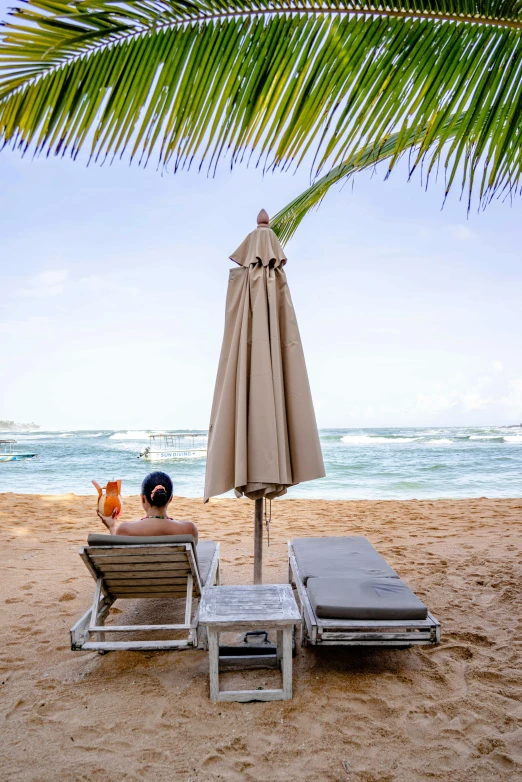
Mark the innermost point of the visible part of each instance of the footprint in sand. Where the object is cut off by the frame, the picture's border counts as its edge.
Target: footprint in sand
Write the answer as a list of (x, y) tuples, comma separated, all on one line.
[(67, 596), (503, 762), (233, 770), (475, 639), (16, 708), (455, 652), (487, 745)]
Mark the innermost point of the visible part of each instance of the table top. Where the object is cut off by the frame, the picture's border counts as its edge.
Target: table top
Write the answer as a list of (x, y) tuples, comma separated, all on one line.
[(252, 604)]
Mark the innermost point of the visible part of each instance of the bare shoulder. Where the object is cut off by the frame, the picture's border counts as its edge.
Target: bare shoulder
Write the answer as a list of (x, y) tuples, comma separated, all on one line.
[(184, 526)]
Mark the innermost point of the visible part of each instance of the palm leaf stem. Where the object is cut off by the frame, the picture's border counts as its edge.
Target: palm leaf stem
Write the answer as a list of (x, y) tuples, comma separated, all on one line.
[(286, 222)]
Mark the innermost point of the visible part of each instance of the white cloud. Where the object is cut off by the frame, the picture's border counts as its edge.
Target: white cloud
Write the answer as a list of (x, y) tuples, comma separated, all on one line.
[(441, 402), (513, 400), (45, 284), (22, 327), (108, 284), (498, 366), (473, 401), (461, 232), (435, 403)]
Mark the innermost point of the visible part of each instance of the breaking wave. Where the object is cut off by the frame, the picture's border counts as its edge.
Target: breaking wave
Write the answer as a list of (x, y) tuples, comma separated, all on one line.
[(130, 435), (366, 439)]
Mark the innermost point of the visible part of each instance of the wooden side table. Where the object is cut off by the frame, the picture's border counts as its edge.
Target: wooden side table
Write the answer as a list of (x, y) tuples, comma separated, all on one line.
[(250, 607)]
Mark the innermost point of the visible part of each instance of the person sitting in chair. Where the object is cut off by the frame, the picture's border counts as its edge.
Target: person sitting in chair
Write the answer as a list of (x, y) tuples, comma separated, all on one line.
[(156, 496)]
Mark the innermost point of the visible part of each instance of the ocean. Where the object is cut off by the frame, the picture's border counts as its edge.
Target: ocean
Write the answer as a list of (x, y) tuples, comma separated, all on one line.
[(360, 463)]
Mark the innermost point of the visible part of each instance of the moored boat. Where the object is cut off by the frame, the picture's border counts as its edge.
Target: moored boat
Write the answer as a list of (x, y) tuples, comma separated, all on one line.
[(165, 447), (7, 454)]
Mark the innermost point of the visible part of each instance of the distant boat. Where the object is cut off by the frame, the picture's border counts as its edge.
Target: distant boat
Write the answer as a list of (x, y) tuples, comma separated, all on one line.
[(7, 455), (165, 447)]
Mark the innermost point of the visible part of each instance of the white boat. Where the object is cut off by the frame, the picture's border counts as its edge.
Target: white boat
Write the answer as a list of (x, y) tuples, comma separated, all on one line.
[(7, 455), (165, 447)]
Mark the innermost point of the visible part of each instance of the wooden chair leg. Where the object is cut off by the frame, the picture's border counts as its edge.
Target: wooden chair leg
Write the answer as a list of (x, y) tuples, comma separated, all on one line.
[(97, 616), (279, 651), (95, 613), (188, 603)]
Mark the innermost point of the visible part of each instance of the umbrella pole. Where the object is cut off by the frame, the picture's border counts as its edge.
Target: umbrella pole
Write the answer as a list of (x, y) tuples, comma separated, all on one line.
[(258, 542)]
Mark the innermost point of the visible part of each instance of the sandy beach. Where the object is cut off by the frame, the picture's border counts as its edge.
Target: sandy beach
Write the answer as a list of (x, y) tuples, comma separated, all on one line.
[(358, 715)]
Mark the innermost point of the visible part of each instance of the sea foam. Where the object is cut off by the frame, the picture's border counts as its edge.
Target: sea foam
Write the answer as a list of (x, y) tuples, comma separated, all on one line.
[(129, 435), (365, 439)]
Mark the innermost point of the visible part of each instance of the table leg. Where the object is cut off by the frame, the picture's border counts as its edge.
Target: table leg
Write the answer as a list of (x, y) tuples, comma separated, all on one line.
[(213, 661), (287, 663), (279, 647)]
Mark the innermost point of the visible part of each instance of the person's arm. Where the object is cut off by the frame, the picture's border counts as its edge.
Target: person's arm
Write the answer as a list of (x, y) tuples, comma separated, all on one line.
[(110, 521)]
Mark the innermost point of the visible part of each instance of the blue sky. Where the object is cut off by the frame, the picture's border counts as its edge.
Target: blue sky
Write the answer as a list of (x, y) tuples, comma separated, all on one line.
[(114, 281)]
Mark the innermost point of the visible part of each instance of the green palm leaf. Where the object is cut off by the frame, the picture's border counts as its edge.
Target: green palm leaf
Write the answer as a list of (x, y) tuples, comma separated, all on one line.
[(286, 222), (198, 80)]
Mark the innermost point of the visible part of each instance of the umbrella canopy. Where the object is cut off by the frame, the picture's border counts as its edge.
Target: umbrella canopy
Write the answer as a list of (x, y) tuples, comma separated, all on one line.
[(263, 434)]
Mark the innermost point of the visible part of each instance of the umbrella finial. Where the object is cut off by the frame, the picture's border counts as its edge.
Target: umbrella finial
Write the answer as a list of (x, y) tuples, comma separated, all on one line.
[(263, 218)]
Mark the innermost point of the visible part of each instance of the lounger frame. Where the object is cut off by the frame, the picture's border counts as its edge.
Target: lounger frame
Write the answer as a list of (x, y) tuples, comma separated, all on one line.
[(355, 632), (142, 571)]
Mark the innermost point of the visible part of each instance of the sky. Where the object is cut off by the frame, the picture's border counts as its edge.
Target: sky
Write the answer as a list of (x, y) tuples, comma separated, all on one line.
[(114, 282)]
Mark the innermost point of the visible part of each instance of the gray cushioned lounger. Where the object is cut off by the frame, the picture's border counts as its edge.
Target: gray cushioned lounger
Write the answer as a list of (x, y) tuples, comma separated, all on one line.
[(341, 557), (368, 598), (204, 550), (350, 596)]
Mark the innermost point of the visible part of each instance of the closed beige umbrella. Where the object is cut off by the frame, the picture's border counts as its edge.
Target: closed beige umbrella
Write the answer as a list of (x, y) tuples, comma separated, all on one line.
[(263, 435)]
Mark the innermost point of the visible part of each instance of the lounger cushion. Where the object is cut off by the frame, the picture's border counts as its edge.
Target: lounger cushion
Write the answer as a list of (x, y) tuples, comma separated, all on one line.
[(364, 598), (204, 550), (342, 557)]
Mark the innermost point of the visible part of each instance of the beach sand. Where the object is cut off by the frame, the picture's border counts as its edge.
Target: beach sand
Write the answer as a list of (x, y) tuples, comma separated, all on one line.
[(453, 712)]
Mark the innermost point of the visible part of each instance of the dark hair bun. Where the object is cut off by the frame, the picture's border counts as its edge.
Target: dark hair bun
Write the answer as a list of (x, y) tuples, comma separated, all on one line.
[(157, 488), (159, 498)]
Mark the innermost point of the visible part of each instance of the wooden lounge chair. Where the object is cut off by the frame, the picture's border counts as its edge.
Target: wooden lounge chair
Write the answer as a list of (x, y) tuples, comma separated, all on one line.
[(350, 596), (130, 567)]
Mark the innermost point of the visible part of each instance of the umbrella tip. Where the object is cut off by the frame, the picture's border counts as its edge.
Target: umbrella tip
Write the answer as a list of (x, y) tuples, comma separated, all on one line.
[(263, 218)]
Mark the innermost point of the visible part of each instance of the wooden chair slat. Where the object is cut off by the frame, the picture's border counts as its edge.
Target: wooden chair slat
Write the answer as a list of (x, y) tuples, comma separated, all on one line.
[(120, 595), (144, 577), (128, 559), (111, 551), (125, 567), (145, 582), (149, 587), (179, 572)]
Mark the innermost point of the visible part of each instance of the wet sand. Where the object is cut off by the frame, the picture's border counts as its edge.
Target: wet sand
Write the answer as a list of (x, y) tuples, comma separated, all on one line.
[(358, 715)]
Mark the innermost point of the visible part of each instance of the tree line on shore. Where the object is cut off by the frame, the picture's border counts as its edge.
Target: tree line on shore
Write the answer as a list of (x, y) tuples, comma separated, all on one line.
[(12, 426)]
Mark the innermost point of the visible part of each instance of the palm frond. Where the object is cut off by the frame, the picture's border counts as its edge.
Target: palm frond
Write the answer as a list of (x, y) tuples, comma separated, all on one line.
[(286, 222), (200, 80)]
